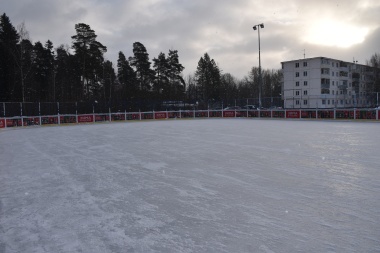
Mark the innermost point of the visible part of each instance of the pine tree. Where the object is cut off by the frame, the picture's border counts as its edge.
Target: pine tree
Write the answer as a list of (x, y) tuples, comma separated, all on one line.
[(175, 74), (8, 68), (90, 55), (126, 77), (161, 83), (140, 61)]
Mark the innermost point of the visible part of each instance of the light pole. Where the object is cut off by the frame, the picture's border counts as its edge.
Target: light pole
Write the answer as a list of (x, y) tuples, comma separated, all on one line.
[(257, 27)]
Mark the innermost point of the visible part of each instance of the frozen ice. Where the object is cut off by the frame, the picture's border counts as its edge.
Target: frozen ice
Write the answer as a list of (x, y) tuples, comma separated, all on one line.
[(207, 185)]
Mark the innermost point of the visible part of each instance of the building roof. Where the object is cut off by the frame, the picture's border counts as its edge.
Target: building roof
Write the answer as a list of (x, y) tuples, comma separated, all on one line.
[(322, 57)]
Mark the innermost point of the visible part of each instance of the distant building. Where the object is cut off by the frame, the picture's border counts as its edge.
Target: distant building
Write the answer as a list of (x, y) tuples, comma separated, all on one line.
[(322, 82)]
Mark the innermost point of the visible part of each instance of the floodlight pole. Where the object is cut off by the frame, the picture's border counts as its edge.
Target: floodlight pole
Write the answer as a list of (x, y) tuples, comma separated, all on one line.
[(260, 77)]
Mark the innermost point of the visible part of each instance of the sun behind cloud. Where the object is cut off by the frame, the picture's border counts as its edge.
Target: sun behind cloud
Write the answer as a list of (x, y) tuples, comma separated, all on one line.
[(330, 32)]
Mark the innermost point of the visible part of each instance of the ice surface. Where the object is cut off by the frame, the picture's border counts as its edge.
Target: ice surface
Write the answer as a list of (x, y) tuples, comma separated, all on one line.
[(218, 185)]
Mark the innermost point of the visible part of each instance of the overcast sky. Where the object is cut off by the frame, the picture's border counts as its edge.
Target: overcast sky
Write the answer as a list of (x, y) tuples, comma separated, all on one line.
[(343, 29)]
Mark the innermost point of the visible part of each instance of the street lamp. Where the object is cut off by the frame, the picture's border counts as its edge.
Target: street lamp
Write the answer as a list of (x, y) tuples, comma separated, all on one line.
[(260, 79)]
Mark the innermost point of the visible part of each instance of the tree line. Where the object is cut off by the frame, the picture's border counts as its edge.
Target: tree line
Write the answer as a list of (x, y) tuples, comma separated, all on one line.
[(38, 72)]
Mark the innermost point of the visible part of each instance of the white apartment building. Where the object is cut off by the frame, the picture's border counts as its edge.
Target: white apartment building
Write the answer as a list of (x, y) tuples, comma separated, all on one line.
[(322, 82)]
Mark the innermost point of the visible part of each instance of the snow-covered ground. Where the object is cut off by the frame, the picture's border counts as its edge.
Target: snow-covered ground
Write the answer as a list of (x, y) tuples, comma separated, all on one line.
[(218, 185)]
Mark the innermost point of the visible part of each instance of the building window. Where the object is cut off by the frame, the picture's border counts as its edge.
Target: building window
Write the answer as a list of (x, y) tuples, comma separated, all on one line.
[(333, 92), (297, 102), (328, 101), (305, 92), (333, 64), (332, 101), (297, 83), (304, 83), (305, 102), (323, 101), (341, 92), (341, 102), (297, 93), (305, 64), (305, 73), (332, 72), (333, 82), (297, 74), (297, 65)]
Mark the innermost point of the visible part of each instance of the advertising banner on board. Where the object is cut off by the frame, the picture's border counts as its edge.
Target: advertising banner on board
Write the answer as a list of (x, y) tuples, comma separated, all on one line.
[(293, 114), (85, 118), (2, 123), (160, 115), (228, 114)]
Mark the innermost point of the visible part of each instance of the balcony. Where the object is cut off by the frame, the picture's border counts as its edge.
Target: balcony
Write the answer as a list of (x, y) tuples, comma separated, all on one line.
[(325, 83)]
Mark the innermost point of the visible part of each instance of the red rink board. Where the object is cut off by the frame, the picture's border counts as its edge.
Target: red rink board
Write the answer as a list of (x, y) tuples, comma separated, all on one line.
[(292, 114), (2, 123), (160, 115), (85, 118)]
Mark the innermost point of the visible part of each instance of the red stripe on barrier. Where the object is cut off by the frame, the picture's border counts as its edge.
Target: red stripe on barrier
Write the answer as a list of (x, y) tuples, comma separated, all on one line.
[(2, 123)]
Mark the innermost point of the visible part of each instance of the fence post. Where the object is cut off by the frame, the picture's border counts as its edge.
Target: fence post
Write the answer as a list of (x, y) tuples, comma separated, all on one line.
[(59, 118), (93, 113), (39, 112), (4, 115), (154, 116), (109, 112), (334, 113), (354, 114), (140, 114), (284, 113), (76, 112), (316, 113), (300, 114), (180, 114), (22, 118), (377, 113), (125, 114)]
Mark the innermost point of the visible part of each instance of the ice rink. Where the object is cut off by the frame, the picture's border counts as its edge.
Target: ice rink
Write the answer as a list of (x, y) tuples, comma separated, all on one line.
[(211, 185)]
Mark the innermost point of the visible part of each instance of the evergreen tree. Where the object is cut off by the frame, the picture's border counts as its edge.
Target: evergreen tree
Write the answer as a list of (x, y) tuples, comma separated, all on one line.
[(208, 78), (43, 71), (140, 61), (126, 77), (108, 80), (67, 81), (90, 56), (8, 68), (161, 83), (175, 74)]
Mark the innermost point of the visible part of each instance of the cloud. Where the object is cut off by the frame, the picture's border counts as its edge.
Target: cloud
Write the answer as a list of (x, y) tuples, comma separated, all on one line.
[(341, 28)]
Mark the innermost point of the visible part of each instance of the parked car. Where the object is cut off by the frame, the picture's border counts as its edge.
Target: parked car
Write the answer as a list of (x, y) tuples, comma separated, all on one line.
[(275, 108), (249, 107), (232, 108)]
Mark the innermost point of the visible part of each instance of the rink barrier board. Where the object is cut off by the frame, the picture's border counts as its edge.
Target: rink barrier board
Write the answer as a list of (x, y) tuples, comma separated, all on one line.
[(359, 114)]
